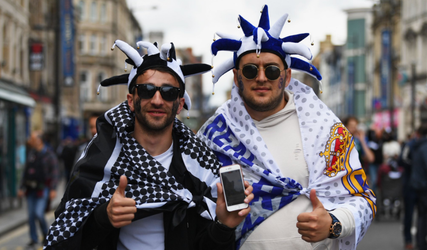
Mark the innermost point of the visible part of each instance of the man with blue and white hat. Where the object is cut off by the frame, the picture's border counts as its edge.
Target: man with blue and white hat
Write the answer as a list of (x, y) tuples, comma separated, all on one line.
[(310, 189)]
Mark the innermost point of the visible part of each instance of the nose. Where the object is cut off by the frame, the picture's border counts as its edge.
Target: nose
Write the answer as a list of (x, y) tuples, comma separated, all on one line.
[(157, 98), (261, 75)]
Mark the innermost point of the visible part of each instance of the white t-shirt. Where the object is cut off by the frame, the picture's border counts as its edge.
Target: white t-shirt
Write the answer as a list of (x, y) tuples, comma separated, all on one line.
[(147, 233)]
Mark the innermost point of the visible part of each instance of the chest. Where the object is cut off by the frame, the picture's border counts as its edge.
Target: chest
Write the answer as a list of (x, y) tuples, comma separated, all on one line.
[(284, 143)]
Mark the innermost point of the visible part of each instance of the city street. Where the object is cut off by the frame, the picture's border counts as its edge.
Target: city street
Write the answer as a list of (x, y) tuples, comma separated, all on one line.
[(18, 239), (383, 235)]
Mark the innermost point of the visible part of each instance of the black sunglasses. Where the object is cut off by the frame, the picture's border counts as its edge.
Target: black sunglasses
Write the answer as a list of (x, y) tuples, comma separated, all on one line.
[(147, 91), (250, 71)]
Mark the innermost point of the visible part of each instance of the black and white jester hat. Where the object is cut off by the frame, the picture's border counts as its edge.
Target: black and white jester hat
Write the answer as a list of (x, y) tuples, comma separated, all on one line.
[(164, 57), (260, 39)]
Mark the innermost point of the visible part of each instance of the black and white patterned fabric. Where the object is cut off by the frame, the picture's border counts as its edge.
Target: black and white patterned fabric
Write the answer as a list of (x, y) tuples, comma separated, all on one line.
[(149, 183)]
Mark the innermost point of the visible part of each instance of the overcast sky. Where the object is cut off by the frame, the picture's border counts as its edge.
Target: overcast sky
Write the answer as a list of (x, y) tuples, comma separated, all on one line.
[(192, 23)]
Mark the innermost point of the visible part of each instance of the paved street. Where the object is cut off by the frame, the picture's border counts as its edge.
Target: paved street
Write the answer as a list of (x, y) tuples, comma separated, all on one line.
[(18, 239), (383, 235)]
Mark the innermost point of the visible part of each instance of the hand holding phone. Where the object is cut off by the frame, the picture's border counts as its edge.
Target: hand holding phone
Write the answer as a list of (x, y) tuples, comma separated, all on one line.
[(233, 187)]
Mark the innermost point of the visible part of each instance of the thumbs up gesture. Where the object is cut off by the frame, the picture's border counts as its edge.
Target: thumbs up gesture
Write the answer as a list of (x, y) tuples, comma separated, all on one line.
[(314, 226), (121, 210)]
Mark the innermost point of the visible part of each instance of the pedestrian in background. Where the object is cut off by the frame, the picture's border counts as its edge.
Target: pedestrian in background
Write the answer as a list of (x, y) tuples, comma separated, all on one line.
[(366, 155), (39, 182), (92, 129), (67, 156), (391, 147), (409, 194), (375, 143), (418, 182)]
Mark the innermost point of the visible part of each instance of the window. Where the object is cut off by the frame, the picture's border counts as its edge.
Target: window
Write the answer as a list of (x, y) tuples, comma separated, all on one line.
[(103, 14), (102, 46), (21, 61), (4, 61), (93, 40), (85, 86), (82, 42), (103, 92), (93, 12), (82, 9)]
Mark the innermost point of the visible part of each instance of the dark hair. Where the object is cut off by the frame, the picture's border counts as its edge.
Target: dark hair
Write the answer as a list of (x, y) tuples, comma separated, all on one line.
[(422, 130), (95, 114), (162, 69), (347, 120)]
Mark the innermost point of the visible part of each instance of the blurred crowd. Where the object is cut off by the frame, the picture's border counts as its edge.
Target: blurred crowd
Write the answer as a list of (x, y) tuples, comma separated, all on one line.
[(396, 174), (69, 150)]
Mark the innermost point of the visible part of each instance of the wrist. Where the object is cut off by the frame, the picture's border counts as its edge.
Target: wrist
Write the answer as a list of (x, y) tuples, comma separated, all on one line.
[(221, 225), (335, 228)]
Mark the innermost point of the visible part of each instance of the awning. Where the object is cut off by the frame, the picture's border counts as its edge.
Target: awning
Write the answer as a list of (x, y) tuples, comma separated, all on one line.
[(13, 93)]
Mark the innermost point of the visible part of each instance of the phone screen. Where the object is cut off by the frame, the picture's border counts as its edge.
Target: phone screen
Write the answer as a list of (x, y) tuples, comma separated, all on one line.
[(233, 187)]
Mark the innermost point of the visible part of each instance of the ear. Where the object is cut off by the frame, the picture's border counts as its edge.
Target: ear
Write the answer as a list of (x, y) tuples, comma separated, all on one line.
[(181, 105), (130, 102), (235, 77), (288, 72)]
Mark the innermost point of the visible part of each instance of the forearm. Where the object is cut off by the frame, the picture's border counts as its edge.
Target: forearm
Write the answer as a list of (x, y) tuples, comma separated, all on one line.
[(97, 228), (216, 236), (370, 157)]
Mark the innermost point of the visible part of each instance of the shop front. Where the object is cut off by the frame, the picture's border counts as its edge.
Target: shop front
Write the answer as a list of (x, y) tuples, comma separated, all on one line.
[(15, 112)]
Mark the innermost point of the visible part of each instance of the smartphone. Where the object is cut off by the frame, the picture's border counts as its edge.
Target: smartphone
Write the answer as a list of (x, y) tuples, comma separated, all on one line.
[(233, 187)]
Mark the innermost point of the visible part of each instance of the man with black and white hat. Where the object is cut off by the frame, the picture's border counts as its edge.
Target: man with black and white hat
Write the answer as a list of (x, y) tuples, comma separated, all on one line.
[(145, 181), (310, 190)]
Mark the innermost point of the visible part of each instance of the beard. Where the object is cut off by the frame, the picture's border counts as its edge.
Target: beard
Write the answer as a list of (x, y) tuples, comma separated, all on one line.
[(252, 103), (153, 125)]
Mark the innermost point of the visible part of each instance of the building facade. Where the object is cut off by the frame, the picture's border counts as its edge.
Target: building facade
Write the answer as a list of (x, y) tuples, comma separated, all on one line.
[(412, 78), (387, 96), (331, 66), (15, 102), (197, 114), (53, 54), (100, 23), (358, 67)]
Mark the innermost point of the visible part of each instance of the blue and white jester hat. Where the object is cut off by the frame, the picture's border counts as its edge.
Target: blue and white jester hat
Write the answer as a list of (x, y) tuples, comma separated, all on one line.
[(264, 39), (165, 57)]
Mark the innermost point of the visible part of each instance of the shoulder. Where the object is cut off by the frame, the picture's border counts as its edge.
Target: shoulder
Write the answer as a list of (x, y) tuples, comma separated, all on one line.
[(194, 147), (187, 138), (49, 153)]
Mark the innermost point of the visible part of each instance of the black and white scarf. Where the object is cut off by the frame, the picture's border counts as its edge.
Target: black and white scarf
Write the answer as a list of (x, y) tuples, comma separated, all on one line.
[(114, 152)]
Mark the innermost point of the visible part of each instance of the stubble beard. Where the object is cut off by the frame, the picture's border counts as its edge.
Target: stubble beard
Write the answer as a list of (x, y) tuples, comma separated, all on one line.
[(153, 127), (252, 103)]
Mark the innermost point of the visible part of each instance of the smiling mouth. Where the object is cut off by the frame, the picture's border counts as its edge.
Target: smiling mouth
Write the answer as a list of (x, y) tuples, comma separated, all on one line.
[(261, 89), (156, 112)]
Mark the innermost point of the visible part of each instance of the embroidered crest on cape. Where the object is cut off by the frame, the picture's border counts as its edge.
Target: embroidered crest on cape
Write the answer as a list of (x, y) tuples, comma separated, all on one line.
[(335, 149)]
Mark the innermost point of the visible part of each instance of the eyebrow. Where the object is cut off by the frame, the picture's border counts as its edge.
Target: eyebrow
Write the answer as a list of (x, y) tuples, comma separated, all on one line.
[(264, 65), (162, 85)]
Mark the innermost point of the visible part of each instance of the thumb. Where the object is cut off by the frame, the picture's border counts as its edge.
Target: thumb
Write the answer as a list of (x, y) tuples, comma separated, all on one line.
[(314, 200), (122, 185)]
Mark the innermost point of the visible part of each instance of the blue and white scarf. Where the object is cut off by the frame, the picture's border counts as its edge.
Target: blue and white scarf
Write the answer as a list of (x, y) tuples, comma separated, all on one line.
[(334, 167)]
